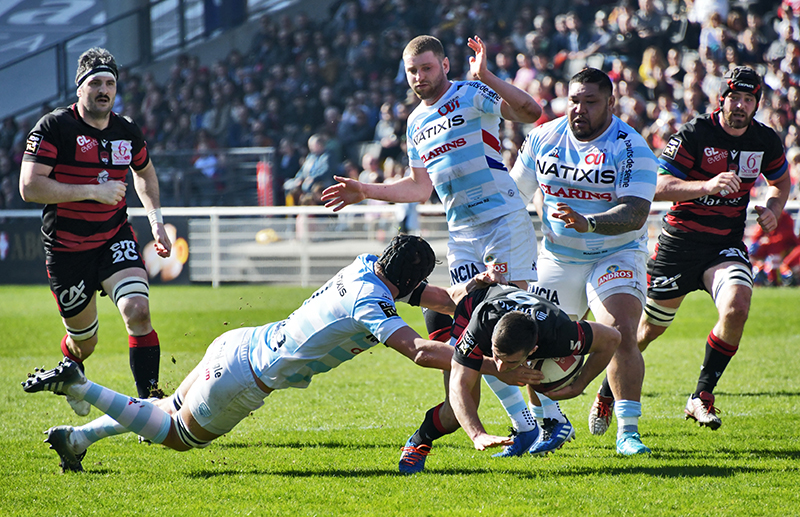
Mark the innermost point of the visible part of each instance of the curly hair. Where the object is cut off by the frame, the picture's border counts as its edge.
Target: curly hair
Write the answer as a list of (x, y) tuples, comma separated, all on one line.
[(94, 60)]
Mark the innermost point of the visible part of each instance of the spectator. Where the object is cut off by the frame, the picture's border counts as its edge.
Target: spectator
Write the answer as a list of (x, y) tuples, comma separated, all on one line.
[(207, 183), (371, 171), (315, 174), (287, 163), (389, 133), (651, 71), (712, 38), (674, 73), (217, 119), (8, 133), (290, 57), (650, 22)]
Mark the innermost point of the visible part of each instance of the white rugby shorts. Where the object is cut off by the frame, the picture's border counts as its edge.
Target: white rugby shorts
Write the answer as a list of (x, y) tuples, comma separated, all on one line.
[(225, 391), (507, 244), (574, 287)]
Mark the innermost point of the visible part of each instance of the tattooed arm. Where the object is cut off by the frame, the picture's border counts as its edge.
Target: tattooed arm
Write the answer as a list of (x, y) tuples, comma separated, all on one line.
[(629, 215)]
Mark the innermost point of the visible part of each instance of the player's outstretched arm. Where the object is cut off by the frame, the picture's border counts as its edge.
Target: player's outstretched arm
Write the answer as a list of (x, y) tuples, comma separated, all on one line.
[(424, 352), (462, 399), (415, 188), (605, 340), (518, 105)]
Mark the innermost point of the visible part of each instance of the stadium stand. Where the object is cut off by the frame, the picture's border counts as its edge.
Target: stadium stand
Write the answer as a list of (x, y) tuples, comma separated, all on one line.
[(342, 77)]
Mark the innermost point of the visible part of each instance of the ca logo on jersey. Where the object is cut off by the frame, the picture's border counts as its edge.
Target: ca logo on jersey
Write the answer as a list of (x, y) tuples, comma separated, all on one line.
[(733, 252), (663, 283), (73, 296)]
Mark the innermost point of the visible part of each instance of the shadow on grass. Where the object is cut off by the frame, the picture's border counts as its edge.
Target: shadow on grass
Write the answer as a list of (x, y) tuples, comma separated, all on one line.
[(759, 394), (665, 453), (677, 472), (337, 473), (322, 445), (719, 393)]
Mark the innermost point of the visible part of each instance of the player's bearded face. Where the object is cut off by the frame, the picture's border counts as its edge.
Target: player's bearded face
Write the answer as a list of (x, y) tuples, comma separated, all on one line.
[(97, 95), (426, 75), (739, 108), (588, 110)]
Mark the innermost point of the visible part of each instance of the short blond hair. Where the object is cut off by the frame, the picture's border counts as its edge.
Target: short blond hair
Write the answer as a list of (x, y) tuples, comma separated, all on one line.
[(422, 44)]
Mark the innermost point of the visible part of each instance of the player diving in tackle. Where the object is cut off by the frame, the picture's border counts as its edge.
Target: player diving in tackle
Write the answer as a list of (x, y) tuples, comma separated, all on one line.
[(513, 327), (354, 311)]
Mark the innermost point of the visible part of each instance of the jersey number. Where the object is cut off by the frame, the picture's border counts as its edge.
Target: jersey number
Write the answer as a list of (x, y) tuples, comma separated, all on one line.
[(523, 298)]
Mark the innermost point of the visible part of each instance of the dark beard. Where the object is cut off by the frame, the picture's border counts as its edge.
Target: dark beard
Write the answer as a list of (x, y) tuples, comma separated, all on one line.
[(735, 123)]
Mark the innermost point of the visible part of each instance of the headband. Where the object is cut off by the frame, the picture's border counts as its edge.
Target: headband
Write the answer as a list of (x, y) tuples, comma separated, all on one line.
[(98, 70)]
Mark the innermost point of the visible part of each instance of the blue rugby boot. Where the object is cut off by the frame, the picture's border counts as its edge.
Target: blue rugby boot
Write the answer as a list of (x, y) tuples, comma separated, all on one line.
[(412, 460), (522, 442), (553, 436), (630, 443)]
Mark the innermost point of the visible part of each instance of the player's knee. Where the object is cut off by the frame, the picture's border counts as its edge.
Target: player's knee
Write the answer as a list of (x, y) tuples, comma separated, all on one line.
[(135, 311), (648, 332), (735, 312)]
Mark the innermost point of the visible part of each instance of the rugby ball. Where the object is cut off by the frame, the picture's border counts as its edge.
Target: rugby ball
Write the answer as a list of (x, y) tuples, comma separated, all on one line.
[(559, 372)]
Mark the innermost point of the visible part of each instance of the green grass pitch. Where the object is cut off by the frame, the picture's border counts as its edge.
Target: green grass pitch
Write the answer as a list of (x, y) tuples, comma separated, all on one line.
[(332, 449)]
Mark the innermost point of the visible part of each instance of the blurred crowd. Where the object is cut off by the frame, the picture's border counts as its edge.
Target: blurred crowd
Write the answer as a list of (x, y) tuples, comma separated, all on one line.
[(332, 98)]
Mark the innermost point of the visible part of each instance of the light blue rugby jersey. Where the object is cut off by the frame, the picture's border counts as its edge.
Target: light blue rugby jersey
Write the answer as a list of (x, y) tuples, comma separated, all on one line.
[(590, 177), (352, 312), (457, 141)]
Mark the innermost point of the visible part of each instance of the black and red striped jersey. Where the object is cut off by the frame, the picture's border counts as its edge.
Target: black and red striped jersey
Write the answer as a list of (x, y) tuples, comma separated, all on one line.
[(82, 155), (700, 150), (478, 313)]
